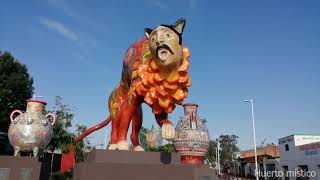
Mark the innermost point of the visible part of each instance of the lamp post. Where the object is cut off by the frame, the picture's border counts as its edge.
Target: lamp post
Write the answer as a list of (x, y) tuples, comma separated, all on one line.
[(254, 137), (218, 155)]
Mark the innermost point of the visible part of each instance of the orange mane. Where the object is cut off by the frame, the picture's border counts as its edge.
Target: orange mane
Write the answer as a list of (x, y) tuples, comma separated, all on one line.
[(160, 92)]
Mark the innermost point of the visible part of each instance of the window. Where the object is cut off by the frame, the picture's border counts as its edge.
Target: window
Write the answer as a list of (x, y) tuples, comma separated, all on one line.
[(287, 147)]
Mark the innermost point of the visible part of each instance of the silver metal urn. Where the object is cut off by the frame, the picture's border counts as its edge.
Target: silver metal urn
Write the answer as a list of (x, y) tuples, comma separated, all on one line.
[(31, 130)]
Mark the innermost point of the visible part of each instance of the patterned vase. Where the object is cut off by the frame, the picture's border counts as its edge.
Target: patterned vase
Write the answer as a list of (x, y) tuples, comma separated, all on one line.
[(31, 130), (192, 136)]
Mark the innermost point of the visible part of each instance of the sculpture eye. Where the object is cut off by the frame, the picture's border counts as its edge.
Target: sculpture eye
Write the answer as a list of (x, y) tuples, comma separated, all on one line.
[(168, 35), (153, 39)]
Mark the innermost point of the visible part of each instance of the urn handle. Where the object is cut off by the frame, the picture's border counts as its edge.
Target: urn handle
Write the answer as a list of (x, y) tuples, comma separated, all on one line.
[(53, 118), (13, 112)]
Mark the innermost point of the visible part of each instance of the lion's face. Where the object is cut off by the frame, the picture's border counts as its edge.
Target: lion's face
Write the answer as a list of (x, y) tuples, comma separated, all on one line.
[(165, 43)]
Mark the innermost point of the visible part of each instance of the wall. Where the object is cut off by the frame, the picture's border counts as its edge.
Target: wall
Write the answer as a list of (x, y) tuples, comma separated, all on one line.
[(303, 150)]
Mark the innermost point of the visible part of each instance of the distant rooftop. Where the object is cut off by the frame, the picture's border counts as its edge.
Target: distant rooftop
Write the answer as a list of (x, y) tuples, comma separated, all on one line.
[(298, 134), (269, 150)]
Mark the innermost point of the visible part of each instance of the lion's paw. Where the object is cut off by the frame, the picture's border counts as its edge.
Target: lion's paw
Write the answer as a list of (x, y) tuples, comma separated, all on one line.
[(123, 145), (112, 147), (138, 148), (167, 131)]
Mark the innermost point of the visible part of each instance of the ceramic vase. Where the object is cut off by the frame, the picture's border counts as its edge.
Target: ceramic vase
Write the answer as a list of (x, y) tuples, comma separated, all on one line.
[(31, 130), (192, 136)]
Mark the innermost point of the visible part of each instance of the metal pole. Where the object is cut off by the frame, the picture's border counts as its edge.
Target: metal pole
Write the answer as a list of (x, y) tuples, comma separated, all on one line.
[(254, 139), (105, 139), (218, 156)]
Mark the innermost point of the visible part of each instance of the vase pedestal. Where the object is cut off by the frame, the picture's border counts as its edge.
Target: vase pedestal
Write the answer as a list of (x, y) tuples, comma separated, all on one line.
[(128, 165), (19, 167)]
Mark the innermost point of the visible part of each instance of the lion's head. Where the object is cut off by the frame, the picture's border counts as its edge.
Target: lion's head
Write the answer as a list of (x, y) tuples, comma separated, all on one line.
[(164, 77), (165, 43)]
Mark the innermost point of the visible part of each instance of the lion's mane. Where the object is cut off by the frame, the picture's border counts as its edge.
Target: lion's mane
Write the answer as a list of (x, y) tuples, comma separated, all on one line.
[(160, 92)]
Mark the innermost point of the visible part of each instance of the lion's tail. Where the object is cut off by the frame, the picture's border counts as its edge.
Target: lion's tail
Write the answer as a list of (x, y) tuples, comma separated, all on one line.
[(92, 129)]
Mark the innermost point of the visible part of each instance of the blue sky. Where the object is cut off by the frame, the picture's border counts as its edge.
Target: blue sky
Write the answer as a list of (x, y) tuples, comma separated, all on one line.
[(268, 50)]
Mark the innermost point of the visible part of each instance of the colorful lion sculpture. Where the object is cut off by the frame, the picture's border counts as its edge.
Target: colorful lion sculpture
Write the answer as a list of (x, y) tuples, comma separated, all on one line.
[(154, 72)]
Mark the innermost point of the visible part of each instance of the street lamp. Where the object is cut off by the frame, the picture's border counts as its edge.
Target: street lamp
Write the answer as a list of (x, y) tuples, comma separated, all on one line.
[(254, 137), (218, 155)]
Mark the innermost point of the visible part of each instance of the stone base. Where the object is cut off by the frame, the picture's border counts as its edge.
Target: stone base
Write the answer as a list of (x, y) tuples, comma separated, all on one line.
[(129, 165), (19, 168)]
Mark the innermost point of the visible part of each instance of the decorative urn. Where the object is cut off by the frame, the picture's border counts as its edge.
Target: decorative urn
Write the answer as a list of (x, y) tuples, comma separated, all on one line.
[(31, 130), (192, 136), (153, 138)]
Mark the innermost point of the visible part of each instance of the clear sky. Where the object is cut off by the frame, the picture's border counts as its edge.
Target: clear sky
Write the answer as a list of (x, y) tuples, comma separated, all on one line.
[(268, 50)]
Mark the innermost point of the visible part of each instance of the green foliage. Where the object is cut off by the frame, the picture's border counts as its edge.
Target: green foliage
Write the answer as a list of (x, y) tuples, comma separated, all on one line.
[(15, 88), (211, 155), (229, 148), (82, 146), (62, 138), (152, 149), (142, 137), (169, 148)]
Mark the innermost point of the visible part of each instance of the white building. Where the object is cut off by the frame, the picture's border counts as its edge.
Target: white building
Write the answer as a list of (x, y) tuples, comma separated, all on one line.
[(300, 156)]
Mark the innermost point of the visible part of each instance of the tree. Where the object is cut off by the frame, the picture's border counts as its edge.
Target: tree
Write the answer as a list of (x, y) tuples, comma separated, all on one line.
[(82, 146), (211, 154), (16, 86), (63, 139), (229, 148)]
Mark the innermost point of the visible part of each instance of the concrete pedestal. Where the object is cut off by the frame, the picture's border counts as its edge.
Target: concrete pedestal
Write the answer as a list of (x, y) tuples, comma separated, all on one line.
[(12, 168), (128, 165)]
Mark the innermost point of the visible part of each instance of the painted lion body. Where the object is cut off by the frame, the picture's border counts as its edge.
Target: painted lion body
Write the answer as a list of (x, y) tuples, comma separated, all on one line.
[(136, 87), (154, 72)]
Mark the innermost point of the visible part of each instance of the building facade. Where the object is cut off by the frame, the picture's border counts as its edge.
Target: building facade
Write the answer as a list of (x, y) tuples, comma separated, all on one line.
[(267, 159), (300, 157)]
